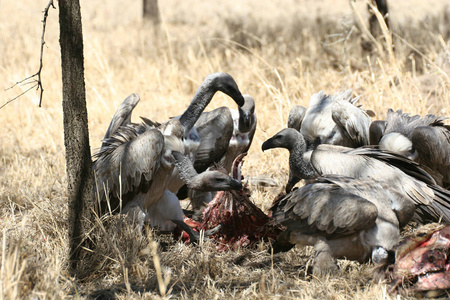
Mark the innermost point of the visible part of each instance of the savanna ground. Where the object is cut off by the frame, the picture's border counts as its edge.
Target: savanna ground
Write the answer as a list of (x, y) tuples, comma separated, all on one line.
[(280, 52)]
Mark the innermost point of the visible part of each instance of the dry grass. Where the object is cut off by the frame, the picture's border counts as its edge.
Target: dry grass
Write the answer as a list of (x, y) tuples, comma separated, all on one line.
[(281, 53)]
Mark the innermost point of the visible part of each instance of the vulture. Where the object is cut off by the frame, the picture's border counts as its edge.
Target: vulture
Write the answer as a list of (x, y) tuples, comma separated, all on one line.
[(425, 140), (342, 217), (432, 202), (332, 119), (135, 162), (224, 134)]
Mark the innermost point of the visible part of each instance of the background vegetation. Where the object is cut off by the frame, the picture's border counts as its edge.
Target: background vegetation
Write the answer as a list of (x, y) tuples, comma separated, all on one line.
[(280, 52)]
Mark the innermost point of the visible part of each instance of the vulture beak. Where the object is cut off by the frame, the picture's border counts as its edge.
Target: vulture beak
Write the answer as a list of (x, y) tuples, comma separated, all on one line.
[(235, 184), (239, 99), (268, 145)]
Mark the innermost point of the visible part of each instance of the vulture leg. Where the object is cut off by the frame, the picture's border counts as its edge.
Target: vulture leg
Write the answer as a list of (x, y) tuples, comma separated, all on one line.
[(324, 263), (194, 236)]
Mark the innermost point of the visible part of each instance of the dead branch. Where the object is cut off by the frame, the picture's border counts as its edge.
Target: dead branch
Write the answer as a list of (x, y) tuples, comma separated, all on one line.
[(32, 78)]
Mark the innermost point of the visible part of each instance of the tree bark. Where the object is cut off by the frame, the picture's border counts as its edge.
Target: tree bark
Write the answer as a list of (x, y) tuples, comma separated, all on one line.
[(76, 133), (151, 11)]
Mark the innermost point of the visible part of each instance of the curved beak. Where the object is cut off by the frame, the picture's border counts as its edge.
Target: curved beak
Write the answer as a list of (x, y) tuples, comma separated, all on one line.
[(267, 145), (239, 99)]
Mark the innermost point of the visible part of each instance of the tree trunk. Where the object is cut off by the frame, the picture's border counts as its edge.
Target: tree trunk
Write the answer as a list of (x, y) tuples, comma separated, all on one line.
[(374, 25), (76, 134), (151, 11)]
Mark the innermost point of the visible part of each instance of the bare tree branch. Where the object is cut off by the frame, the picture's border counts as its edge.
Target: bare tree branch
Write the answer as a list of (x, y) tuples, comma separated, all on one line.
[(38, 73), (9, 101)]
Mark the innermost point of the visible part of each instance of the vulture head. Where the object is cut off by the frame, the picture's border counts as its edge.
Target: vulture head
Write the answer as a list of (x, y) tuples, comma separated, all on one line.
[(292, 140), (214, 82), (246, 114), (225, 83), (206, 181), (288, 138), (376, 131), (214, 181)]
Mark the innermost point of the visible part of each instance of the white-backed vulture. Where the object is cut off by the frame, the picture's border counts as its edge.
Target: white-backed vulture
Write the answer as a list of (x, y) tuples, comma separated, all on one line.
[(407, 177), (334, 119), (136, 161), (425, 140), (224, 134), (342, 217)]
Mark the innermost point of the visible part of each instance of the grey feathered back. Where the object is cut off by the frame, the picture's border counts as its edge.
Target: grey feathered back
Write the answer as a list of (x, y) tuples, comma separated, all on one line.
[(400, 173)]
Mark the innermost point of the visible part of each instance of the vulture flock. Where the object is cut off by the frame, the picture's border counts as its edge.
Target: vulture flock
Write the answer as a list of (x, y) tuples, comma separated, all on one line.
[(364, 180)]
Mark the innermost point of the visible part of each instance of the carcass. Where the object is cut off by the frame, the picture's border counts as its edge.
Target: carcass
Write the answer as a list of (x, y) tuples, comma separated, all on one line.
[(422, 263), (239, 222)]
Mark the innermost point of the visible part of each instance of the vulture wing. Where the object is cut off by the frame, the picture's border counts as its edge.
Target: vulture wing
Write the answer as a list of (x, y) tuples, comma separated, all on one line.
[(127, 164), (335, 119), (353, 122), (396, 171), (325, 209), (122, 117), (215, 129), (404, 123)]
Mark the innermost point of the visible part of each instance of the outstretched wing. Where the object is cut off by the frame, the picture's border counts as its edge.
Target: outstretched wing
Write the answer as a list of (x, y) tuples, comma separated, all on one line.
[(127, 164), (215, 129), (122, 117)]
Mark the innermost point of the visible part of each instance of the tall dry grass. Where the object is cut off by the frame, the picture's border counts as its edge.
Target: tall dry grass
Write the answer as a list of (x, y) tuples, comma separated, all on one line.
[(281, 53)]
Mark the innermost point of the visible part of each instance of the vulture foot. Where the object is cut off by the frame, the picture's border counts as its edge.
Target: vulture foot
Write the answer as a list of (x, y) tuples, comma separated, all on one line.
[(194, 236), (324, 264)]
